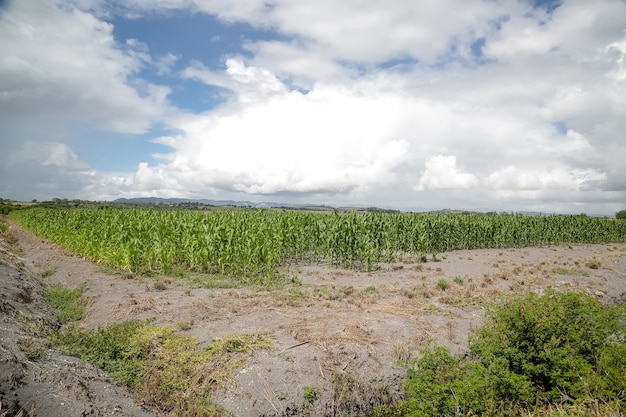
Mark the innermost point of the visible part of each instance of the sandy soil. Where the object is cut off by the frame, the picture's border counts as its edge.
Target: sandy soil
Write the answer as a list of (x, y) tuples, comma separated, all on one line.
[(343, 333)]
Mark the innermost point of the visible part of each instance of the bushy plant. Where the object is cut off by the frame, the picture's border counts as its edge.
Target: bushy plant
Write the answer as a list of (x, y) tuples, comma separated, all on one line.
[(533, 351)]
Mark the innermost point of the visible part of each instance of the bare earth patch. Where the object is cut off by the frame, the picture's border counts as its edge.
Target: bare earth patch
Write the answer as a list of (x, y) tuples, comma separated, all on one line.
[(340, 336)]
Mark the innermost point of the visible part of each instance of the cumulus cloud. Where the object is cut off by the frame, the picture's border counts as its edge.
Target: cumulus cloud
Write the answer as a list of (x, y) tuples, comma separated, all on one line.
[(61, 66), (327, 140), (47, 169), (249, 83), (441, 172)]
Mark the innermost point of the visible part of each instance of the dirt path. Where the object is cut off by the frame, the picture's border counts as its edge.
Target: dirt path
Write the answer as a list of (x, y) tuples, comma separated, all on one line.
[(339, 332)]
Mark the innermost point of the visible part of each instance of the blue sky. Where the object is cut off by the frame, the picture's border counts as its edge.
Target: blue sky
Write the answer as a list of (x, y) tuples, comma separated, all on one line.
[(483, 105)]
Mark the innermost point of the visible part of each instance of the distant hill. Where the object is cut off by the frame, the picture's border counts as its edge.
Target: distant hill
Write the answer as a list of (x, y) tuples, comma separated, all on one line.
[(221, 203), (158, 200)]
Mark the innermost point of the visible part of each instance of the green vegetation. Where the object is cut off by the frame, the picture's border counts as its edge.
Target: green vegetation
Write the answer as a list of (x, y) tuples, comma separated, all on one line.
[(371, 289), (310, 394), (593, 263), (47, 272), (556, 354), (621, 215), (255, 243), (560, 352), (162, 368), (7, 207), (568, 271), (443, 284), (68, 304)]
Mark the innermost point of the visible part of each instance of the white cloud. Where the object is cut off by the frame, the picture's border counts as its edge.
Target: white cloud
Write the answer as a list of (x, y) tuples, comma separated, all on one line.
[(166, 62), (372, 32), (61, 66), (44, 170), (441, 172), (328, 140), (513, 178), (251, 84)]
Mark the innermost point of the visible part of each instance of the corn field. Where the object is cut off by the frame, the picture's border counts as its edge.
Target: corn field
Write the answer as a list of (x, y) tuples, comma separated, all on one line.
[(255, 243)]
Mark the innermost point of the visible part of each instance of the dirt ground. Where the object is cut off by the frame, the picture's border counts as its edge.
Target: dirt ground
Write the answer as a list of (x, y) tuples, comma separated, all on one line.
[(340, 337)]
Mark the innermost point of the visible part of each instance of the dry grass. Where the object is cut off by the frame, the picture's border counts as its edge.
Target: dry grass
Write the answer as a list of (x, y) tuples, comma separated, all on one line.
[(411, 311), (401, 351), (132, 307), (20, 413)]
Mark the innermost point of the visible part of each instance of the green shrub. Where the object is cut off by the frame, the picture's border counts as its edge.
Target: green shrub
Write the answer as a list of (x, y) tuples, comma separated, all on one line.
[(533, 351)]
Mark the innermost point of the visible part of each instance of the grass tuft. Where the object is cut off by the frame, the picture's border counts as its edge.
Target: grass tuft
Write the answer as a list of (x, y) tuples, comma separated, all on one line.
[(47, 272), (443, 284), (34, 350), (68, 304)]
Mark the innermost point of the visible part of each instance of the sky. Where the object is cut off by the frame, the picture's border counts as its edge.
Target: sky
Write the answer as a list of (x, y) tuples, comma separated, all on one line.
[(489, 105)]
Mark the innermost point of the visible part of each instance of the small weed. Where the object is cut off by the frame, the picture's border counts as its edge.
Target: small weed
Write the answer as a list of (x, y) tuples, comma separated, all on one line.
[(310, 393), (453, 299), (443, 284), (458, 280), (160, 285), (31, 348), (593, 263), (300, 292), (184, 325), (371, 289), (486, 281), (503, 274), (295, 280), (47, 272), (327, 293), (347, 290)]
